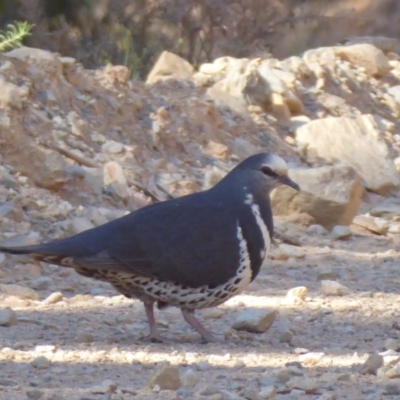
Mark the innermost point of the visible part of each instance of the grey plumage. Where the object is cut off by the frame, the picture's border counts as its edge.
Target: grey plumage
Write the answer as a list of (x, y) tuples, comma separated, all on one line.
[(193, 252)]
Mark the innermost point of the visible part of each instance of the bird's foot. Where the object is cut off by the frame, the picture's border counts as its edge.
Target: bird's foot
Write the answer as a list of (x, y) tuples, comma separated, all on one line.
[(206, 336), (153, 338)]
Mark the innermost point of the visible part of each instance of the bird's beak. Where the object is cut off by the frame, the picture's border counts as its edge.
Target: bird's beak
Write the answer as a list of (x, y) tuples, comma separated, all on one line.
[(285, 180)]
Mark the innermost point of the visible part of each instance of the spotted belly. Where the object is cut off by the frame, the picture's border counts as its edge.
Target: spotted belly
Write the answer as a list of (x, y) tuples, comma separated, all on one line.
[(174, 294)]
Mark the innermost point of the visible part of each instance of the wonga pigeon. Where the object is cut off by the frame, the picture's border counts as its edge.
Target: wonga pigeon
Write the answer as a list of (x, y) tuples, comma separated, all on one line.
[(191, 252)]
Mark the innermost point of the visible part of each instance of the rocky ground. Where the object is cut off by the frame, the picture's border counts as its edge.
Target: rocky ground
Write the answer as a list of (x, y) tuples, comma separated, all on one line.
[(79, 148)]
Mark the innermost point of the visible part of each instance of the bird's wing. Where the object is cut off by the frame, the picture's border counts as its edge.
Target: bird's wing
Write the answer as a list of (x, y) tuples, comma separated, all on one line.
[(193, 243)]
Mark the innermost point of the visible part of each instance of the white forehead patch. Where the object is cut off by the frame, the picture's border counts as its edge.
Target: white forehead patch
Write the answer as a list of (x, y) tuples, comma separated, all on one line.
[(277, 164)]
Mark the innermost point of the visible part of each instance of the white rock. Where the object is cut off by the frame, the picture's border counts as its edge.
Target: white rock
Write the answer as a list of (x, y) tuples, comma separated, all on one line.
[(104, 387), (189, 378), (53, 298), (166, 377), (19, 291), (333, 288), (340, 232), (8, 317), (311, 358), (41, 363), (356, 142), (41, 283), (254, 320), (299, 293)]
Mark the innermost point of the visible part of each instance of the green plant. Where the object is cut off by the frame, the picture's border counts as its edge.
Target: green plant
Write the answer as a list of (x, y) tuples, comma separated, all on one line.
[(14, 34)]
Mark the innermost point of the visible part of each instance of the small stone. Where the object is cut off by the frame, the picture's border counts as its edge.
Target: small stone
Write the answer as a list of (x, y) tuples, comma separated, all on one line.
[(40, 363), (8, 317), (34, 394), (340, 232), (2, 260), (84, 337), (208, 390), (282, 377), (392, 388), (392, 344), (311, 358), (19, 291), (7, 382), (297, 293), (166, 377), (54, 298), (316, 229), (344, 378), (268, 392), (252, 394), (393, 372), (217, 150), (255, 320), (226, 395), (372, 364), (114, 180), (307, 384), (333, 288), (376, 225), (41, 283), (189, 378), (286, 337), (106, 386), (45, 349), (113, 147), (326, 275)]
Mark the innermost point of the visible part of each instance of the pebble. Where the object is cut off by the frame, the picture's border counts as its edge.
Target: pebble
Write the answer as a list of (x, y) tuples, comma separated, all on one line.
[(317, 230), (20, 291), (333, 288), (34, 394), (268, 392), (106, 386), (372, 364), (252, 394), (286, 337), (208, 390), (189, 378), (297, 293), (40, 363), (8, 317), (392, 344), (113, 147), (392, 388), (307, 384), (311, 358), (254, 320), (166, 377), (41, 283), (7, 382), (54, 298), (84, 337), (393, 372), (340, 232), (326, 274)]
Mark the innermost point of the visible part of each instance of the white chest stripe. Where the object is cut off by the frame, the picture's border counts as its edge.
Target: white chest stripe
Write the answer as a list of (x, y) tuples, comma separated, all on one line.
[(261, 224)]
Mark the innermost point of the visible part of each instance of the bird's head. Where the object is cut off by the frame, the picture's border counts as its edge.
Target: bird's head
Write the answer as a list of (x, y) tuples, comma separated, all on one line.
[(265, 172)]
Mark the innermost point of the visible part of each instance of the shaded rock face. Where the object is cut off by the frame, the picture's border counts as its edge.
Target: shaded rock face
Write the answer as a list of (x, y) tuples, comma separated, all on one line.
[(330, 194)]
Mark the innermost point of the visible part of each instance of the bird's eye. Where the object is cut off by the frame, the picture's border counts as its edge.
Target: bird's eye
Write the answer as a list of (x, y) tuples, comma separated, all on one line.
[(268, 171)]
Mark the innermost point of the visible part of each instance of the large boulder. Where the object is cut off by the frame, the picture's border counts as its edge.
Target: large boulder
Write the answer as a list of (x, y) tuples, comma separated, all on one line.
[(169, 65), (356, 142), (331, 195)]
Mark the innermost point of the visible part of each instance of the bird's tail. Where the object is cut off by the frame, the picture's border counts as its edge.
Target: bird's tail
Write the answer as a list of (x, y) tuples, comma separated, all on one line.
[(40, 252)]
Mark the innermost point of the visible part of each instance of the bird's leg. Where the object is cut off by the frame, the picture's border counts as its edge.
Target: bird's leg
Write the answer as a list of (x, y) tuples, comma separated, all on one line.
[(154, 336), (189, 317)]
